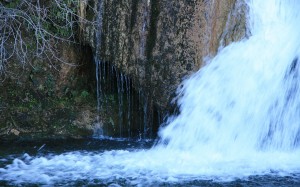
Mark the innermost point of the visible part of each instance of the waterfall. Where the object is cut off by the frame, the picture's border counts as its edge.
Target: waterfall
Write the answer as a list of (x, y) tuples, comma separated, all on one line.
[(239, 117), (247, 97)]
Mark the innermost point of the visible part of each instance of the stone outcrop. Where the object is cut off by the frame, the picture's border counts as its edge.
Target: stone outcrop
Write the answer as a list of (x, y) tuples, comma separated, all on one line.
[(155, 43), (160, 42), (49, 99)]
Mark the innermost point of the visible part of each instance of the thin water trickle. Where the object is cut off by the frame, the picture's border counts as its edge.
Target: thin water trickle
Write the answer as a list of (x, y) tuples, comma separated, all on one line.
[(239, 119), (97, 59), (128, 111), (115, 89)]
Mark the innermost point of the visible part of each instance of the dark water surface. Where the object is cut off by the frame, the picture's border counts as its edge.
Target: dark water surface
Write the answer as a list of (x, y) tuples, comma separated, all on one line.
[(44, 148)]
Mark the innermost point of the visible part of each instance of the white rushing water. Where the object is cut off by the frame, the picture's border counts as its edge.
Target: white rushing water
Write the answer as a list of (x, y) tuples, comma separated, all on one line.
[(239, 116)]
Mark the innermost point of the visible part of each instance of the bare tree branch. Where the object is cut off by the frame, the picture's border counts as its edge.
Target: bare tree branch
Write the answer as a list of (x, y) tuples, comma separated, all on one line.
[(47, 23)]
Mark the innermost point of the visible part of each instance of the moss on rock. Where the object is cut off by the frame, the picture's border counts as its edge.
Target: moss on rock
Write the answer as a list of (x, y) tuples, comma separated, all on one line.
[(43, 100)]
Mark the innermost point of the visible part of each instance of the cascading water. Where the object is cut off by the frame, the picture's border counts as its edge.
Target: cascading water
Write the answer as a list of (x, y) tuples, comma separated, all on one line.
[(239, 117), (247, 96)]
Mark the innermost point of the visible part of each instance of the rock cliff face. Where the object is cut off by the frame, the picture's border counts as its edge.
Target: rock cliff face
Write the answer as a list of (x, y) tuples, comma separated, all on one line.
[(159, 42), (154, 43), (48, 99), (46, 77)]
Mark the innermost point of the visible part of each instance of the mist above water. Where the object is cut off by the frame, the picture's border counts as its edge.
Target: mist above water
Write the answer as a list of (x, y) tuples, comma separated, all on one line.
[(239, 116)]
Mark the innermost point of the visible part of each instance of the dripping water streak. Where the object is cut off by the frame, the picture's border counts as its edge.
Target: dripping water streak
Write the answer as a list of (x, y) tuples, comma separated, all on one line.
[(97, 56), (145, 112), (239, 117), (120, 101), (128, 91)]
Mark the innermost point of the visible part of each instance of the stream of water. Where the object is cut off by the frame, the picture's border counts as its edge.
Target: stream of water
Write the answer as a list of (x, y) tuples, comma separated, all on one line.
[(238, 122)]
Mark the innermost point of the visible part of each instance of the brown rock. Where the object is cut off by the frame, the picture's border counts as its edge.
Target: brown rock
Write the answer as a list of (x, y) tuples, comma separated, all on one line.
[(160, 42)]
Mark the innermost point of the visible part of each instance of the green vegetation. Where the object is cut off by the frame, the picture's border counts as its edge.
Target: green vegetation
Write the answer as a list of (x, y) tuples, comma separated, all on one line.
[(41, 96), (34, 113)]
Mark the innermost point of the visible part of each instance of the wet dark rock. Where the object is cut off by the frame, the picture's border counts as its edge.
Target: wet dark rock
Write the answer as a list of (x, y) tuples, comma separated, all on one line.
[(160, 43), (156, 44), (45, 99)]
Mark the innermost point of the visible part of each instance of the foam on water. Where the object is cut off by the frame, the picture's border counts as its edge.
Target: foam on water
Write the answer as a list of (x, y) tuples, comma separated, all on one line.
[(239, 116), (248, 95)]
